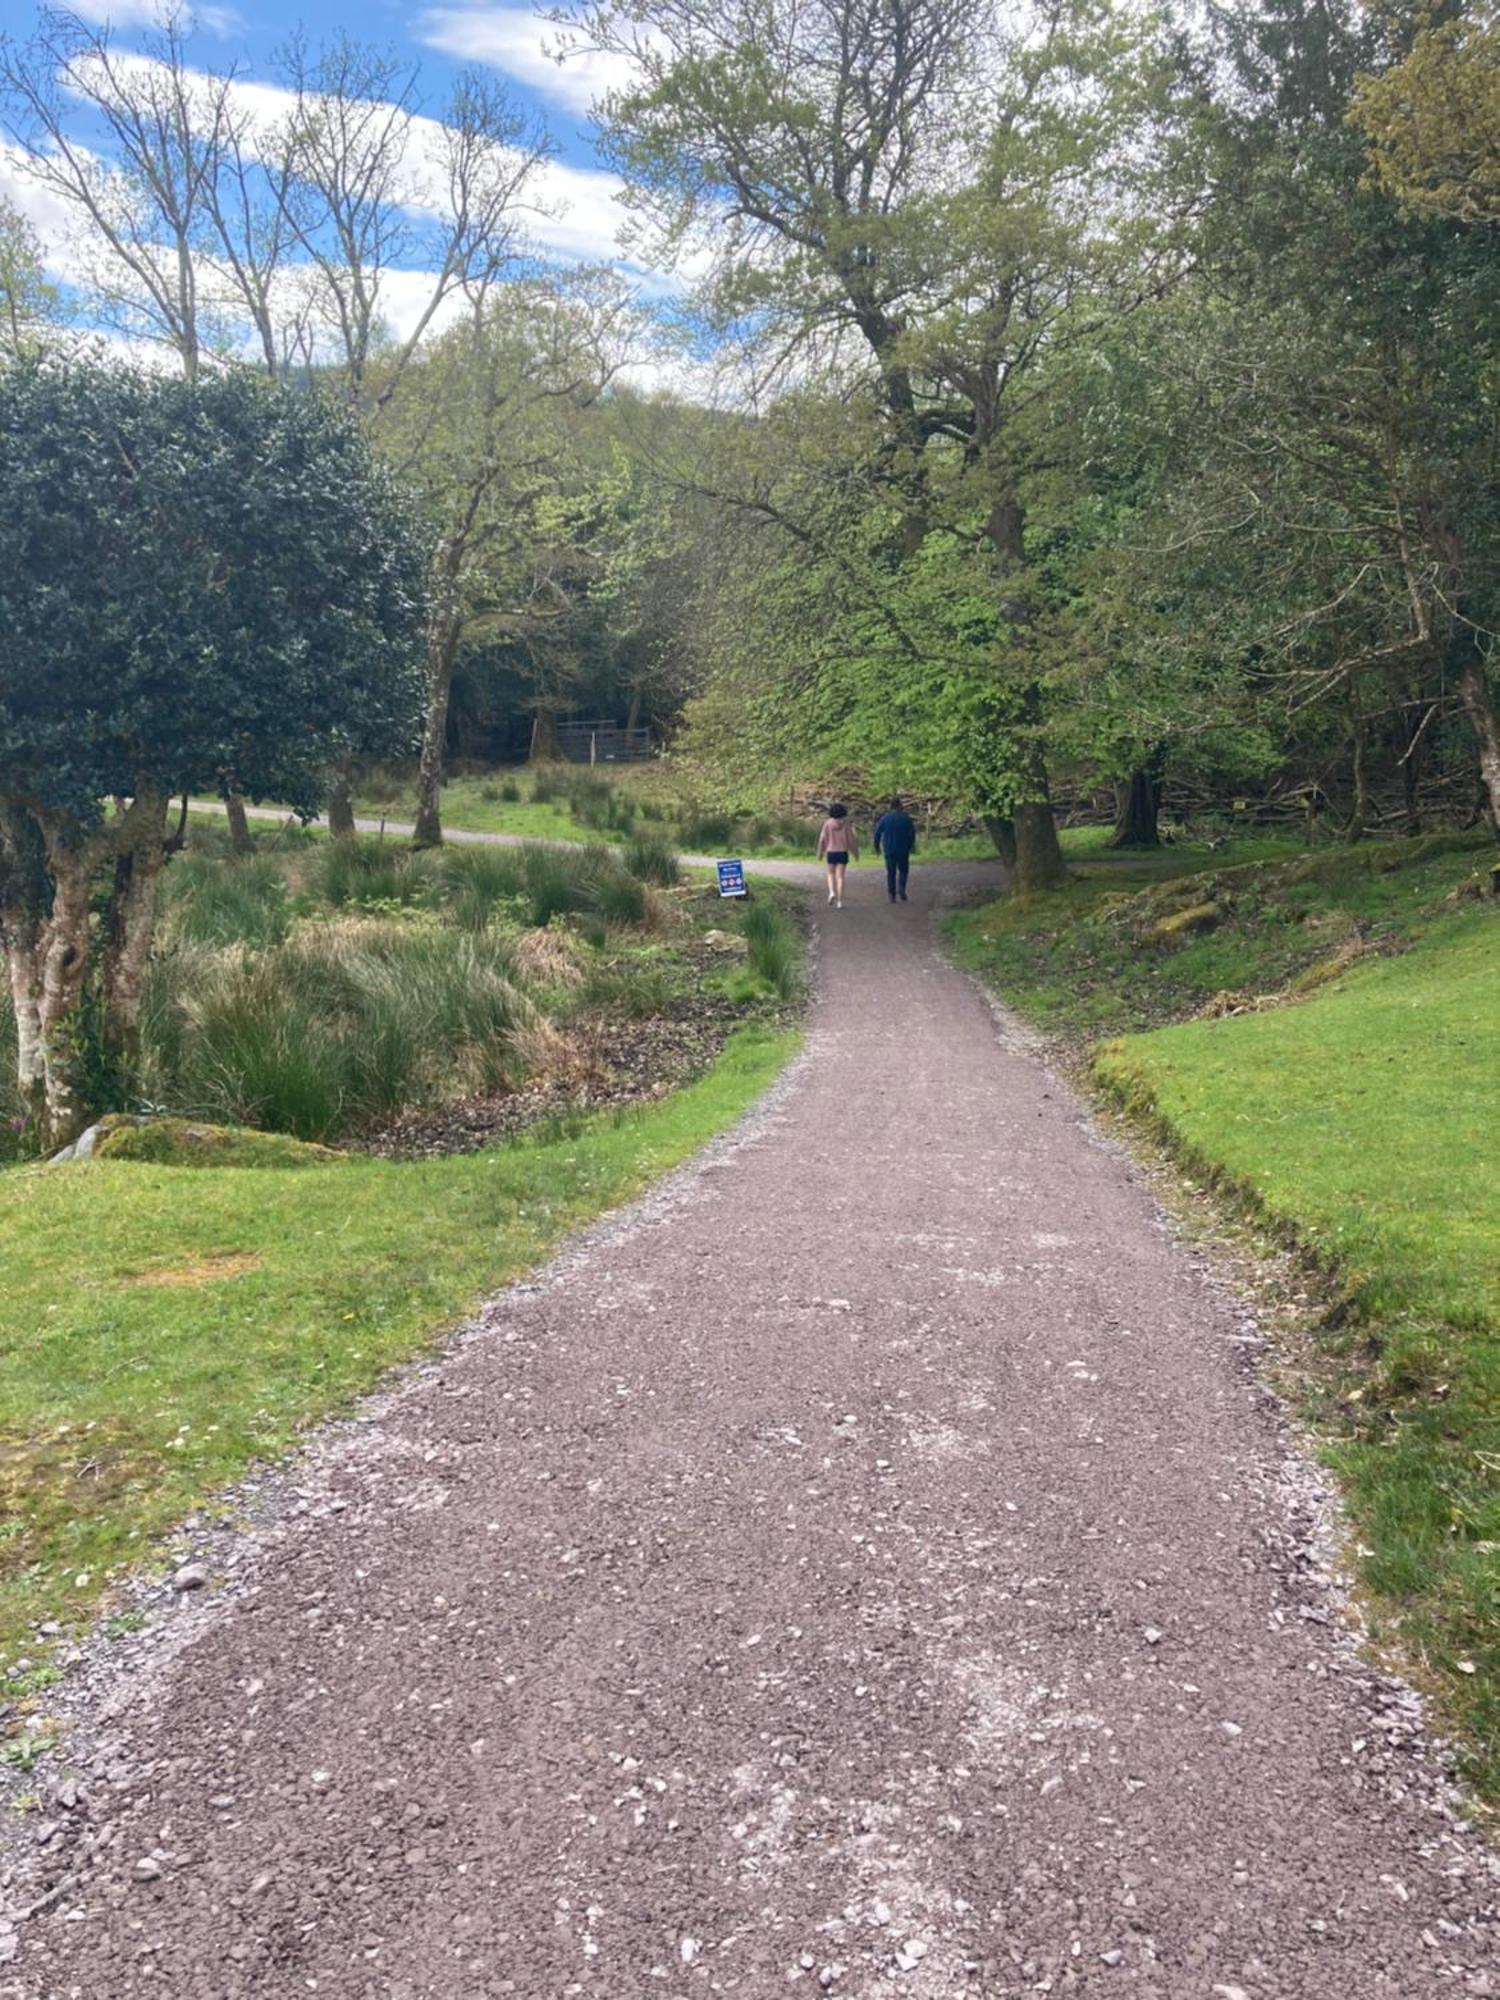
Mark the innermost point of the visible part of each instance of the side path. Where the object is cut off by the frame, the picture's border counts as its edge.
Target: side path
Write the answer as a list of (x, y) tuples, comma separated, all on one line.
[(872, 1570)]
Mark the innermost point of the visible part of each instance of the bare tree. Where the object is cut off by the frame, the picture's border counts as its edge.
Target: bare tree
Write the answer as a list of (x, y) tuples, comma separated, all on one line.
[(372, 186), (143, 205)]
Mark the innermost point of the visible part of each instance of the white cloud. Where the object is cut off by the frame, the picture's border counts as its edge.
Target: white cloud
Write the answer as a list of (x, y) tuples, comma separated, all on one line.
[(218, 20), (525, 47)]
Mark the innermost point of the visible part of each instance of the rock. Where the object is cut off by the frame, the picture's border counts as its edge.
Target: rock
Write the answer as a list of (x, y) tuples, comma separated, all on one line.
[(192, 1576), (1111, 1957), (689, 1949), (1198, 917), (147, 1869), (1152, 1635)]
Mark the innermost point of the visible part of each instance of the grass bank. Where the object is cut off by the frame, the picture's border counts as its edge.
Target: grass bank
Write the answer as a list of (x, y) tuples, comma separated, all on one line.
[(164, 1327), (1341, 1082)]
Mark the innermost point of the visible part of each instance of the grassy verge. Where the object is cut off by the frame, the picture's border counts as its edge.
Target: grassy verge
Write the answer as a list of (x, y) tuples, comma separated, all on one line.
[(1342, 1084), (613, 804), (162, 1328)]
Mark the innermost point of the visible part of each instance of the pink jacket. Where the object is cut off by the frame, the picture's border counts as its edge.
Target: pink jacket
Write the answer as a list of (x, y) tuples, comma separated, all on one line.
[(837, 835)]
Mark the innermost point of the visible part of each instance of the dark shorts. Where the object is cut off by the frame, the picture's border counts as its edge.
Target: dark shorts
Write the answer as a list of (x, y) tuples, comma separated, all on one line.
[(839, 859)]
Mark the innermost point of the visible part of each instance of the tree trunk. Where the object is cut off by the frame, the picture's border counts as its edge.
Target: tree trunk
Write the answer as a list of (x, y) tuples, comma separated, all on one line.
[(341, 800), (442, 650), (1039, 860), (1137, 823), (1003, 832), (63, 968), (239, 826), (23, 905), (1414, 720), (545, 747), (1039, 856), (1359, 811), (1479, 704), (130, 923)]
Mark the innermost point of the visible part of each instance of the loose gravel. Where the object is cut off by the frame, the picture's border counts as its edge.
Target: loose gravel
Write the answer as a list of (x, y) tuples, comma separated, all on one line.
[(871, 1567)]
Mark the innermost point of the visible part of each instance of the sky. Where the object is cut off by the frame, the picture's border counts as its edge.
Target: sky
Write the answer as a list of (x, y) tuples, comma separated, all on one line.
[(579, 216)]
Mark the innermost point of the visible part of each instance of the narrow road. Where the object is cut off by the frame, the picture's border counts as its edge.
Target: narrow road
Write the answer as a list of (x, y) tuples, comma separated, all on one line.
[(870, 1569)]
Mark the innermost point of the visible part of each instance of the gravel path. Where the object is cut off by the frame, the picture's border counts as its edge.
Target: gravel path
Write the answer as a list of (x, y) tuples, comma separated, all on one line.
[(870, 1568)]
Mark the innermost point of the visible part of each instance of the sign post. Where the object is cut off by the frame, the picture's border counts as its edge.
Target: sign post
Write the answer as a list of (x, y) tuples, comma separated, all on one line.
[(732, 878)]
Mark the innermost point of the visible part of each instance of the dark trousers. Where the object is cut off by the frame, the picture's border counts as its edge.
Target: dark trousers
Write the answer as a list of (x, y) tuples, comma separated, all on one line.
[(897, 868)]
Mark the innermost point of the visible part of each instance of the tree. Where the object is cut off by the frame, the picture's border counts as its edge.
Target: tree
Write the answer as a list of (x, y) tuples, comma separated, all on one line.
[(29, 303), (903, 184), (1433, 118), (201, 584), (481, 423)]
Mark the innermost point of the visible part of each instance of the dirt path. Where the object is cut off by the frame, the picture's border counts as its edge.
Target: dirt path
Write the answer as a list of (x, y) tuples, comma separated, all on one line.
[(870, 1570)]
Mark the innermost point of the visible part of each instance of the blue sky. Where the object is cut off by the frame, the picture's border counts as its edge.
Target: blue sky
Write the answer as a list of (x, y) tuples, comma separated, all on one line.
[(509, 41)]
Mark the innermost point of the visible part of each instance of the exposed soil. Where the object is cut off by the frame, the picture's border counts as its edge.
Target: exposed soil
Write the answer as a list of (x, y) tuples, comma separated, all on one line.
[(610, 1064), (873, 1568)]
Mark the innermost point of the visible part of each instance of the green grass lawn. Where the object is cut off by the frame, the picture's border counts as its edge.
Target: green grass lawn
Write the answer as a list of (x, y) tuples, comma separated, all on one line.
[(474, 805), (1349, 1096), (164, 1327), (1367, 1119)]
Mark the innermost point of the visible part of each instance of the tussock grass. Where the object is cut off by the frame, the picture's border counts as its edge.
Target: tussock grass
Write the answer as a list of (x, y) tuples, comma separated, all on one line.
[(651, 858), (230, 900), (366, 871), (338, 1027), (775, 956)]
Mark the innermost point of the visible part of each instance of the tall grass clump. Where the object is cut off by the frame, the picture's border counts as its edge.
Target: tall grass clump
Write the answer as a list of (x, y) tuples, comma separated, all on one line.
[(480, 882), (339, 1027), (239, 899), (362, 872), (774, 955), (708, 832), (650, 858), (570, 881)]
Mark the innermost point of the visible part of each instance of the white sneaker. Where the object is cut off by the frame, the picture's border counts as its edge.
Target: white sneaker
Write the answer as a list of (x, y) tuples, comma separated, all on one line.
[(841, 902), (830, 895)]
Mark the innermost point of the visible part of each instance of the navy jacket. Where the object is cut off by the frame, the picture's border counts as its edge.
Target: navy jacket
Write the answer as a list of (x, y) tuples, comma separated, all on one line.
[(896, 836)]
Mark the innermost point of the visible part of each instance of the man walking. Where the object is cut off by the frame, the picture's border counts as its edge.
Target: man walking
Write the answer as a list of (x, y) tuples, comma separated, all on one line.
[(896, 839)]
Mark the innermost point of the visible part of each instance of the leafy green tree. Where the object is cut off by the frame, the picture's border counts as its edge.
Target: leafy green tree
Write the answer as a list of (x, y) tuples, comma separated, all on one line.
[(908, 190), (202, 586), (485, 423), (29, 303), (1433, 117)]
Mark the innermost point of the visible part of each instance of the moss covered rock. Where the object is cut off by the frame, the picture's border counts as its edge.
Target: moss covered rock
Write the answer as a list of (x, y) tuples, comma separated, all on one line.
[(1184, 924), (183, 1142)]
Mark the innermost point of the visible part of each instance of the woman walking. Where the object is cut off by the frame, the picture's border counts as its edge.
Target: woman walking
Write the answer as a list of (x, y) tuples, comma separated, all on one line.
[(837, 846)]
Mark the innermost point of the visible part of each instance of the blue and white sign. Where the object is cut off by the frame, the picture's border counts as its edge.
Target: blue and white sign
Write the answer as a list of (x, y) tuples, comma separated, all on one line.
[(731, 878)]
